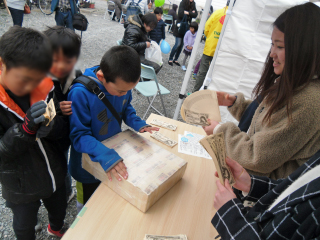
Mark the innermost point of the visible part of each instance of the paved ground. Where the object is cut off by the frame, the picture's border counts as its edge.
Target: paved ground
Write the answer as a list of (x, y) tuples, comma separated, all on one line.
[(100, 36)]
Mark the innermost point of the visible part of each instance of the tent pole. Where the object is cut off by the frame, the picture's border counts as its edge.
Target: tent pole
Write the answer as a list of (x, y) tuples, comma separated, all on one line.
[(192, 58), (208, 79)]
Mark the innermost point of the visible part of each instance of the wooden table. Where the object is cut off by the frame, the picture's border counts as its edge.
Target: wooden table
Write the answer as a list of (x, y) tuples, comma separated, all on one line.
[(187, 208)]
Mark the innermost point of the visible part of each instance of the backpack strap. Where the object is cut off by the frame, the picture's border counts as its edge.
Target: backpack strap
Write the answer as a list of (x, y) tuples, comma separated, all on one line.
[(93, 87)]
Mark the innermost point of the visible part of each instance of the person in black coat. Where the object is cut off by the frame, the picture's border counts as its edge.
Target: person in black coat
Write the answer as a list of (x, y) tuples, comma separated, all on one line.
[(136, 35), (173, 13), (285, 209), (186, 7)]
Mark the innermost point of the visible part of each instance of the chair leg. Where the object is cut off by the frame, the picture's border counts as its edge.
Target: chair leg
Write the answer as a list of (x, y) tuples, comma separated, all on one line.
[(150, 105), (164, 109)]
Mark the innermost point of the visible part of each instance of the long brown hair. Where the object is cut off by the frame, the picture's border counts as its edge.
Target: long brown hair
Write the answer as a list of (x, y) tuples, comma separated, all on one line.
[(301, 28)]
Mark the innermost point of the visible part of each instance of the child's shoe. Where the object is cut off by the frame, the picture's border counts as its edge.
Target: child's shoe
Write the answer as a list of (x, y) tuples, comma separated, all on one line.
[(59, 233), (184, 68)]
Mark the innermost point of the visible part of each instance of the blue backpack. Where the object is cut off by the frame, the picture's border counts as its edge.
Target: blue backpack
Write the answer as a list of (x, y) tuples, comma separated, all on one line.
[(133, 9)]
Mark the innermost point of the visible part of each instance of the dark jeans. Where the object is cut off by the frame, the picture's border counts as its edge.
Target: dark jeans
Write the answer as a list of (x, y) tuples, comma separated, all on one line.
[(17, 16), (155, 66), (64, 19), (203, 69), (25, 214), (118, 8), (176, 49)]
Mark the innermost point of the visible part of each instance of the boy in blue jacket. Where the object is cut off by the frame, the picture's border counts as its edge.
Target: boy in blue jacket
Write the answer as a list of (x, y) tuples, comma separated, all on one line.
[(92, 122), (159, 32)]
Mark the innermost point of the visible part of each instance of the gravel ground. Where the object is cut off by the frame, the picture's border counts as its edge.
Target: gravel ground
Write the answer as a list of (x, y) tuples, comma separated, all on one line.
[(100, 36)]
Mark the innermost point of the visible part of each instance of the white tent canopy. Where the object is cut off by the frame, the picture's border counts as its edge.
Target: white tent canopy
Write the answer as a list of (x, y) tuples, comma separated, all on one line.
[(242, 49)]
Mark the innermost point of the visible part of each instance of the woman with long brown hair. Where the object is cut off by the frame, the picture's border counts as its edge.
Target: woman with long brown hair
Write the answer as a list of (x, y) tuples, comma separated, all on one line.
[(285, 130)]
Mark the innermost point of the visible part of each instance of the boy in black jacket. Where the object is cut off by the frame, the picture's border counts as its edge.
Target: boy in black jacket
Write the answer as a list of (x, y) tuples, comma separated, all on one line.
[(32, 163), (66, 46)]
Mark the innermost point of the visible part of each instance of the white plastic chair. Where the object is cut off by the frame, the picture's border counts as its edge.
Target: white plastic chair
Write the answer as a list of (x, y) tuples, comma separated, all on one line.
[(151, 88)]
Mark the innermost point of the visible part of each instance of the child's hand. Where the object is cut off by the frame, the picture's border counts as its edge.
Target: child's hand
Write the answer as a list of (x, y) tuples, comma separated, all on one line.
[(190, 48), (149, 129), (209, 129), (223, 194), (34, 117), (65, 107), (119, 168)]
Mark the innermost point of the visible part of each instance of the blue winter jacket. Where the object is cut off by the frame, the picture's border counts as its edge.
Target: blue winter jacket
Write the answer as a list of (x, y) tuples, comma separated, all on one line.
[(55, 3), (159, 32), (91, 122)]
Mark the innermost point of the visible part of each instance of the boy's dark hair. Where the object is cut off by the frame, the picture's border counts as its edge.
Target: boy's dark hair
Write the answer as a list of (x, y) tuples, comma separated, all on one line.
[(121, 62), (158, 10), (65, 39), (194, 25), (150, 19), (25, 47)]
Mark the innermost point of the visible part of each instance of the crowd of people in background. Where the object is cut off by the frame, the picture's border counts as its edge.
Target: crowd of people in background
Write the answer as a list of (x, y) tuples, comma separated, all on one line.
[(274, 151)]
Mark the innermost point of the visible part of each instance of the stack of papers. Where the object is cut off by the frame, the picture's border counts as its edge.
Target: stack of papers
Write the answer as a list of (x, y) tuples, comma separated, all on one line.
[(189, 144)]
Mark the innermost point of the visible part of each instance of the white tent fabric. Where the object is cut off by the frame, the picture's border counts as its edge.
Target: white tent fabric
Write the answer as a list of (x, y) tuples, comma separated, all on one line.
[(244, 47)]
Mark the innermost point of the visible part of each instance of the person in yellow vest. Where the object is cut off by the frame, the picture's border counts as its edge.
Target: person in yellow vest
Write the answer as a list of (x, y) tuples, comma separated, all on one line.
[(212, 31)]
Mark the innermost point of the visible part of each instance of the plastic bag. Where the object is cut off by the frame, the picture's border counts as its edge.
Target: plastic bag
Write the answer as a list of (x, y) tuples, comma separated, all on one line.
[(153, 53)]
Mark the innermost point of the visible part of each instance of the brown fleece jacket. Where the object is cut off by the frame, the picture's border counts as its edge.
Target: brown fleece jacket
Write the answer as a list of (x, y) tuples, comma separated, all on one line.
[(277, 149)]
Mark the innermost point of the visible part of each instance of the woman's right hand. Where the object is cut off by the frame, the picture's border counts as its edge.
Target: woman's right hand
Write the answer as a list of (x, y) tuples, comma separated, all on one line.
[(225, 99), (148, 44), (241, 176), (186, 12)]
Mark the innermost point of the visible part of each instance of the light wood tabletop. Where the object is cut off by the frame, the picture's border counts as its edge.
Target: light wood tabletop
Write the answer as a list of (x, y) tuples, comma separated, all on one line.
[(187, 208)]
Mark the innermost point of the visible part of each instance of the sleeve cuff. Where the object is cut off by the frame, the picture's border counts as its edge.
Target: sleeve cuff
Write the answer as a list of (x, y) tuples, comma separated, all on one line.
[(233, 102), (216, 128), (144, 127), (115, 163)]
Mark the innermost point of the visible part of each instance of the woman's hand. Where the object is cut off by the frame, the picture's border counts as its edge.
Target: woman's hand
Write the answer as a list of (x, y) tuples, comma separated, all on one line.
[(209, 129), (148, 44), (224, 99), (186, 12), (241, 176), (119, 168), (223, 194)]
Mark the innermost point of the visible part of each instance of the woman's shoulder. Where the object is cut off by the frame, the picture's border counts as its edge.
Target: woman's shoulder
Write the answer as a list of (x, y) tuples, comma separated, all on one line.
[(309, 94), (312, 89)]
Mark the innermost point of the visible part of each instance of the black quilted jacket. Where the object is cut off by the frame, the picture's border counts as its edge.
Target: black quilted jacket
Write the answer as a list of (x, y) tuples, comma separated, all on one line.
[(135, 34), (30, 170)]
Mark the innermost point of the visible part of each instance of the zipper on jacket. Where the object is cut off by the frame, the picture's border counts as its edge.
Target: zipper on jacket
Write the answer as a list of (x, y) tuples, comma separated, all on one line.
[(48, 165)]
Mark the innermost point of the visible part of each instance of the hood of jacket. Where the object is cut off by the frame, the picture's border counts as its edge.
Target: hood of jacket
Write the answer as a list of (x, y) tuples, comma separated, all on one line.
[(135, 20), (175, 7)]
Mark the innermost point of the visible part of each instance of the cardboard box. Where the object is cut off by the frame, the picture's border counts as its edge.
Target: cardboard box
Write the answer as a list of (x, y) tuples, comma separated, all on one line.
[(152, 169)]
